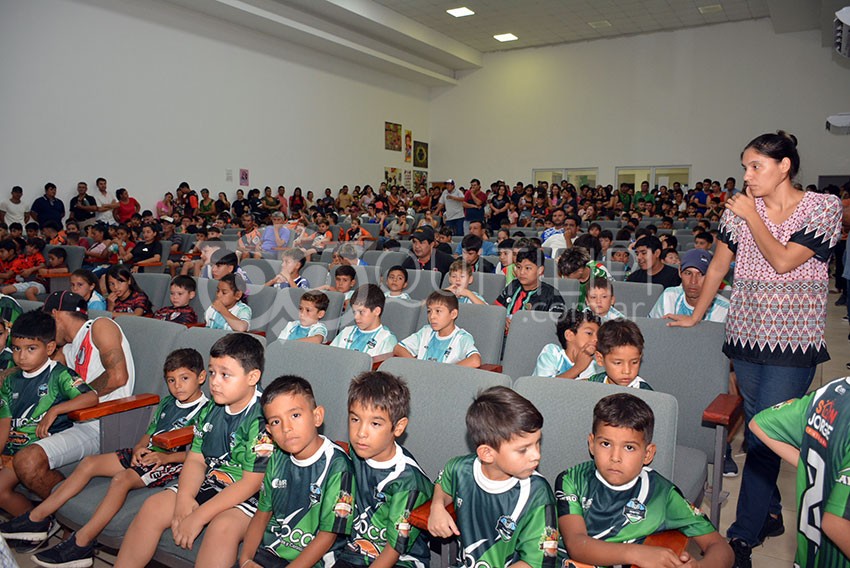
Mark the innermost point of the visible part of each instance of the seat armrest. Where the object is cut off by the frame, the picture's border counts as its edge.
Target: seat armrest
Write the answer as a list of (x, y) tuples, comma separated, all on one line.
[(56, 275), (198, 324), (724, 410), (378, 359), (673, 540), (343, 445), (114, 407), (419, 516), (493, 368), (174, 438), (147, 263)]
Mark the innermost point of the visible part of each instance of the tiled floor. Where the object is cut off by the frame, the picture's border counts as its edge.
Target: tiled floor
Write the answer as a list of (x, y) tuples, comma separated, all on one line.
[(775, 552)]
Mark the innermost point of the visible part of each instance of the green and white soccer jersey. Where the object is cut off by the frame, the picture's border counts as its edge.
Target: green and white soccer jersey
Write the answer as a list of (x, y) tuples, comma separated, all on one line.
[(553, 362), (427, 345), (672, 301), (386, 494), (172, 414), (818, 424), (597, 270), (305, 497), (376, 342), (501, 522), (232, 442), (216, 321), (10, 309), (627, 513), (294, 330), (637, 382), (613, 313), (25, 397)]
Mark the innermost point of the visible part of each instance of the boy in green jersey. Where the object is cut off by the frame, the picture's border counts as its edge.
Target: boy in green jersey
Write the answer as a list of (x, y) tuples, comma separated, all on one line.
[(505, 509), (34, 399), (390, 484), (608, 506), (306, 502), (813, 433), (223, 472)]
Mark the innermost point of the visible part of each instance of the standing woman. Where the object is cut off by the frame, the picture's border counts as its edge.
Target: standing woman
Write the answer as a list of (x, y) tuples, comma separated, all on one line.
[(165, 208), (781, 239), (222, 204), (499, 207), (296, 202), (206, 206), (127, 206)]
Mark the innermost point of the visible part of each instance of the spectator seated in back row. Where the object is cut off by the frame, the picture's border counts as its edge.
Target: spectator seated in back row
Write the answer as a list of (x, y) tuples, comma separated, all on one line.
[(652, 270), (367, 334), (181, 292), (527, 292), (681, 299)]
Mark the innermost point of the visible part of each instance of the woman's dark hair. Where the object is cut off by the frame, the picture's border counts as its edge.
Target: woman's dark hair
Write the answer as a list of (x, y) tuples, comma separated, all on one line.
[(777, 146), (122, 272), (119, 192)]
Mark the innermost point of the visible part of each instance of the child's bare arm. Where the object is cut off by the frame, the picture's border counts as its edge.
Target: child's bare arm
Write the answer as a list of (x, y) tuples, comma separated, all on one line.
[(588, 550), (388, 558), (838, 531), (254, 537), (234, 322), (785, 451), (5, 429), (440, 523), (312, 339), (473, 361), (716, 552), (317, 548), (401, 351), (84, 400), (191, 478)]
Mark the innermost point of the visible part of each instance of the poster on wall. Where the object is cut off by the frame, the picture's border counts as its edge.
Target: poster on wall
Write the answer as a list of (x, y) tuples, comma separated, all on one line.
[(420, 177), (420, 154), (392, 136), (408, 179), (392, 176), (243, 177), (408, 145)]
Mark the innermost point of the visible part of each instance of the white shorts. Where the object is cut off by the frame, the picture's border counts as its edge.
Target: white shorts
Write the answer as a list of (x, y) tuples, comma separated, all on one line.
[(71, 445), (24, 286)]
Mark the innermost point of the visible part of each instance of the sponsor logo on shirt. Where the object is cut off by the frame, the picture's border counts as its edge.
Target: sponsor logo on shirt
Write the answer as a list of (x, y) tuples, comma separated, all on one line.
[(403, 524), (549, 542), (506, 527), (569, 498), (820, 424), (278, 483), (343, 506), (264, 446)]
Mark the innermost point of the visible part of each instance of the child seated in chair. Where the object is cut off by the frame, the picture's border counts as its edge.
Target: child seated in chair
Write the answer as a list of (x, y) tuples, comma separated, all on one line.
[(460, 279), (307, 327), (505, 509), (85, 284), (396, 281), (345, 282), (506, 260), (228, 311), (223, 470), (368, 335), (575, 357), (35, 399), (292, 262), (11, 263), (143, 465), (619, 349), (575, 263), (600, 299), (527, 292), (181, 292), (304, 514), (608, 506), (441, 340), (389, 482), (223, 262), (125, 297)]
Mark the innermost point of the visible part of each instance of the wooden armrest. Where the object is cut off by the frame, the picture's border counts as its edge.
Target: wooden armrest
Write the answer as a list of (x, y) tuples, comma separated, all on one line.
[(419, 516), (114, 407), (343, 445), (175, 438), (674, 540), (724, 410), (198, 324), (260, 333), (147, 263), (56, 275), (378, 359), (491, 367)]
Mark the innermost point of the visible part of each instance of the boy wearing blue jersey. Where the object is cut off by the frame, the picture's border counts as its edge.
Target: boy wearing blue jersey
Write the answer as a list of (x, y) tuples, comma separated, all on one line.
[(396, 281), (574, 358), (441, 340), (143, 465), (390, 484), (306, 503), (312, 307), (608, 506), (505, 509), (619, 349), (461, 275), (223, 472), (367, 335)]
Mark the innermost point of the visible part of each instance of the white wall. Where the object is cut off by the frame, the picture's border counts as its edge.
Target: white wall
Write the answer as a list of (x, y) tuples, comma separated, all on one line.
[(148, 94), (694, 96)]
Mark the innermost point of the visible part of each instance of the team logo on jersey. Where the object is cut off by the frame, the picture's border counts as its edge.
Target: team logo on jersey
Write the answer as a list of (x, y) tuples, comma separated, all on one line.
[(15, 395), (42, 389), (315, 494), (506, 527), (174, 315), (264, 446), (232, 439), (569, 498), (403, 524), (549, 542), (79, 381), (81, 356), (635, 511), (219, 477), (18, 439), (278, 483), (840, 389), (380, 497), (586, 503), (344, 504)]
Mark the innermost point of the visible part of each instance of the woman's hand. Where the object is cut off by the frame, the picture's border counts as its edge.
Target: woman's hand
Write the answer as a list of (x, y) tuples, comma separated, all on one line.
[(677, 320), (743, 205)]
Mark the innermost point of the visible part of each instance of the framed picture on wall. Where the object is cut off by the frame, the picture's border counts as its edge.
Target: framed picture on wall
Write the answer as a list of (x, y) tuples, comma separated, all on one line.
[(392, 136), (408, 179), (420, 177), (392, 175), (408, 146), (420, 154)]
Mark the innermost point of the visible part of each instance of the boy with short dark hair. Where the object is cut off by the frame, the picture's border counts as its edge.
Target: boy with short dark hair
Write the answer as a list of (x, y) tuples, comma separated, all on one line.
[(527, 292), (292, 262), (390, 484), (513, 518), (600, 299), (221, 263), (368, 335), (223, 471), (619, 349), (34, 399), (575, 263), (461, 275), (703, 240), (181, 292), (441, 340), (574, 358), (396, 281), (345, 282), (305, 509), (620, 501), (143, 465), (506, 260), (307, 327)]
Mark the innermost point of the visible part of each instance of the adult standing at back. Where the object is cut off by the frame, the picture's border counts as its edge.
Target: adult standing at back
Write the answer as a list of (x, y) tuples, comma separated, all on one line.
[(781, 240), (474, 201), (127, 206), (83, 206), (13, 210), (451, 201), (105, 203), (48, 207)]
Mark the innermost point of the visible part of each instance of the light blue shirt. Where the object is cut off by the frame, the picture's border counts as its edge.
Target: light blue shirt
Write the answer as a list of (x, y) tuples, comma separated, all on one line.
[(553, 362), (402, 296), (269, 242), (216, 321), (672, 301), (425, 344), (465, 300), (613, 313), (375, 342), (96, 301), (294, 330)]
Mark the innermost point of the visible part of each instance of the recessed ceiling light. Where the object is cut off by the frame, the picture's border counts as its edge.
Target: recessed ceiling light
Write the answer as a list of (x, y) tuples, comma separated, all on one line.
[(506, 37), (460, 12), (710, 9), (599, 24)]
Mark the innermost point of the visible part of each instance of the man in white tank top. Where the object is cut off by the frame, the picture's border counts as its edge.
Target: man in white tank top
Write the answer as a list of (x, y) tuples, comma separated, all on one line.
[(100, 353)]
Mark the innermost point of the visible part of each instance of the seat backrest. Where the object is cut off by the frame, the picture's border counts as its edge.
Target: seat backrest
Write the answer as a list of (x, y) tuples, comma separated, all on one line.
[(73, 255), (30, 305), (327, 255), (328, 369), (203, 338), (617, 270), (260, 270), (400, 316), (420, 283), (151, 341), (157, 286), (689, 364), (437, 429), (530, 331), (365, 274), (287, 302), (486, 324), (264, 309), (564, 442), (488, 285), (568, 288), (316, 275), (635, 299), (384, 259), (188, 242)]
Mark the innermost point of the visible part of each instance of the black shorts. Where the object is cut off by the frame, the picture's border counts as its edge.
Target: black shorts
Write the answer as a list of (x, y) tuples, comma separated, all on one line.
[(268, 559), (212, 487), (151, 476)]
